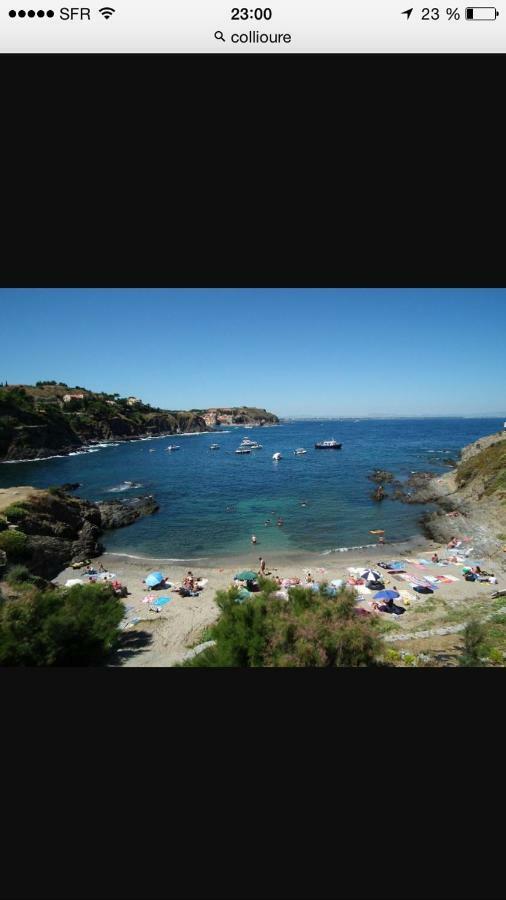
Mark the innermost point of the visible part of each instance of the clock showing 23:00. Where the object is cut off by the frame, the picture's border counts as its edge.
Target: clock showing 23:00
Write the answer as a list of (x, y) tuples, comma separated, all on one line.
[(257, 14)]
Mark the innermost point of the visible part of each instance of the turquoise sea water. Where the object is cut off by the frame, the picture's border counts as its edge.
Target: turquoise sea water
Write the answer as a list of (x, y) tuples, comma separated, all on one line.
[(211, 502)]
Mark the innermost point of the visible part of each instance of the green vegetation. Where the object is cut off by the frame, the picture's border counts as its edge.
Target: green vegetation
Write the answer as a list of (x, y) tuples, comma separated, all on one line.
[(473, 644), (18, 574), (35, 418), (489, 465), (311, 629), (64, 627), (13, 543), (16, 512)]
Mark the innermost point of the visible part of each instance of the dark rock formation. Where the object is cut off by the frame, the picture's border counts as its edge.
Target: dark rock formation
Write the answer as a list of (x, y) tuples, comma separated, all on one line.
[(118, 513), (61, 529), (381, 476)]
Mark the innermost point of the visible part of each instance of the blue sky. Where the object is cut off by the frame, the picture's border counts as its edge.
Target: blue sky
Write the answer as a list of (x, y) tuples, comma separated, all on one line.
[(295, 352)]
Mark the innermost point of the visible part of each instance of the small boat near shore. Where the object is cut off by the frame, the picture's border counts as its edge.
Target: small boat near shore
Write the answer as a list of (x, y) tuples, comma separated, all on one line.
[(214, 447), (328, 445), (172, 447), (243, 450), (300, 451), (256, 446), (277, 456)]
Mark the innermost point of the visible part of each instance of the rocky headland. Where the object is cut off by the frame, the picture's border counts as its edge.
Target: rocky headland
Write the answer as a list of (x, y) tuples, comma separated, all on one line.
[(49, 530), (471, 498), (48, 419)]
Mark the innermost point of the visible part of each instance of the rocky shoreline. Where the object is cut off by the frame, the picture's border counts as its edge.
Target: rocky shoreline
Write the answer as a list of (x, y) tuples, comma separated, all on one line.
[(467, 506), (49, 530)]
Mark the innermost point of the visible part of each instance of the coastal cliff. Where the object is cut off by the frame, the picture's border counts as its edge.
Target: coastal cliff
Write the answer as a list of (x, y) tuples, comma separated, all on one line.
[(49, 418), (48, 530), (471, 498)]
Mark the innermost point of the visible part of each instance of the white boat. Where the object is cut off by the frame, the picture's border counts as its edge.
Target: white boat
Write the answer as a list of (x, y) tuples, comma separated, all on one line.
[(276, 456), (243, 450), (214, 447), (172, 447), (328, 445), (256, 446), (300, 451), (153, 450), (246, 442)]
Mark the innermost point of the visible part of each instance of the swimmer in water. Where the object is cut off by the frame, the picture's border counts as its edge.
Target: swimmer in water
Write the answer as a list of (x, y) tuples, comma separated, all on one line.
[(253, 539)]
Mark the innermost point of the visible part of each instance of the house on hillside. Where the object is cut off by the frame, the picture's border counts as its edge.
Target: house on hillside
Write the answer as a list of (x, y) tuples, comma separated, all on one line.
[(210, 418), (133, 401), (67, 398)]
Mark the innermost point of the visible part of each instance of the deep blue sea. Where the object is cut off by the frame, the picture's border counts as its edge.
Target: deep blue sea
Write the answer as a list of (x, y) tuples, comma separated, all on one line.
[(211, 502)]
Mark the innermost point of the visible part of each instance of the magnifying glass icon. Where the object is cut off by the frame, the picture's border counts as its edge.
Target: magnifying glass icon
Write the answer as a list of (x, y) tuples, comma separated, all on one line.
[(219, 36)]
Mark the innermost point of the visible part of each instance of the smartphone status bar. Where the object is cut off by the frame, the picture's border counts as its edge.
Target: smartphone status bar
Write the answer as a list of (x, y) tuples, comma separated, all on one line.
[(278, 26)]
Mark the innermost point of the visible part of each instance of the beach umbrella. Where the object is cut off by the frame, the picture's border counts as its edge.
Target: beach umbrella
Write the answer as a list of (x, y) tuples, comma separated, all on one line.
[(387, 595), (153, 579), (371, 575), (246, 576)]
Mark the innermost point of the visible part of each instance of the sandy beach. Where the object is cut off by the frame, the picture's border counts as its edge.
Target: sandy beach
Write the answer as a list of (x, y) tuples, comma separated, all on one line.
[(163, 638)]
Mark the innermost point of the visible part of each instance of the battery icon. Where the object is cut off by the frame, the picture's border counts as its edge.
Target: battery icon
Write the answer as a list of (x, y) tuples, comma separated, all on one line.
[(481, 13)]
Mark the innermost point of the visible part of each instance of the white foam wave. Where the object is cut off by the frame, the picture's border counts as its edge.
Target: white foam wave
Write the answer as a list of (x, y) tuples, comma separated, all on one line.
[(125, 486), (345, 549), (167, 559)]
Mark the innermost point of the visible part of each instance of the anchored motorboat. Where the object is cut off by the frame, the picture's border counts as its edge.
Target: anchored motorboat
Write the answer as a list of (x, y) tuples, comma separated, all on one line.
[(276, 456), (243, 450), (299, 451), (255, 446), (328, 445), (172, 447), (214, 447), (246, 442)]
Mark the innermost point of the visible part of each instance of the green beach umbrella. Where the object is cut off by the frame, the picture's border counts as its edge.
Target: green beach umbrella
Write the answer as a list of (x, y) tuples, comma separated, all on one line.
[(246, 576)]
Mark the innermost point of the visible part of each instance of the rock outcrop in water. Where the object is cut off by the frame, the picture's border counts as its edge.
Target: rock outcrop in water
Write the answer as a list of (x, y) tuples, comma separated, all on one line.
[(48, 530), (51, 419)]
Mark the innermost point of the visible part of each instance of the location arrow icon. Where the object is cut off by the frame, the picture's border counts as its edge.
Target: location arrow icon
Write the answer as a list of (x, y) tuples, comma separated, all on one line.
[(407, 12)]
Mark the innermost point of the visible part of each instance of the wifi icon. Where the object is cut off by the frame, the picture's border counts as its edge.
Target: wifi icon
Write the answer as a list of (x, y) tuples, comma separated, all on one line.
[(107, 11)]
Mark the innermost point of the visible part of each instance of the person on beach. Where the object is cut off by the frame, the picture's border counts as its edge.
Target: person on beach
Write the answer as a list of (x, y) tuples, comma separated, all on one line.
[(253, 539), (453, 543), (309, 578), (262, 565), (435, 558), (101, 568)]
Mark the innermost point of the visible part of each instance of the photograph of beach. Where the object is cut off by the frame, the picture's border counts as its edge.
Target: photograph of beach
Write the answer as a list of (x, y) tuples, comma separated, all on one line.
[(252, 478)]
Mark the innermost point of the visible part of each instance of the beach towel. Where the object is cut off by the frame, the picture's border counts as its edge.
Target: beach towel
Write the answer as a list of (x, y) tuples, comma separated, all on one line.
[(418, 582), (161, 601), (202, 582)]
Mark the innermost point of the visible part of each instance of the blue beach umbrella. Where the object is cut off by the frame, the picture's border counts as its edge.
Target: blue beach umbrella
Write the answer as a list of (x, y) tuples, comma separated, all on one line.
[(387, 595), (154, 578)]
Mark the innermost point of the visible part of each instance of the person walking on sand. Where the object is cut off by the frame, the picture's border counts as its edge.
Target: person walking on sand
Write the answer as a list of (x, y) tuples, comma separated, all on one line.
[(262, 565)]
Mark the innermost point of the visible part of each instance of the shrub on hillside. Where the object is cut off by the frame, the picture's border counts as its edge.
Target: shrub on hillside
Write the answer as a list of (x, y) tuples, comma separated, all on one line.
[(472, 645), (16, 512), (14, 545), (65, 627), (18, 574), (311, 629)]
